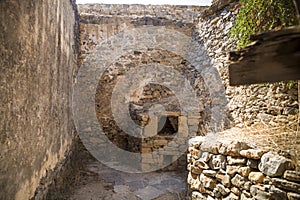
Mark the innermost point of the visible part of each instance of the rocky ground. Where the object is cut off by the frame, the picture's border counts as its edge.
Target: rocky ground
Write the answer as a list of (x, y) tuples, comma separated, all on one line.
[(99, 182)]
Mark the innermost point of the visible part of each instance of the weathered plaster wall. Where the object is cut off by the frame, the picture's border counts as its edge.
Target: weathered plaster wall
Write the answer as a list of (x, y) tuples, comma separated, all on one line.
[(36, 74), (98, 22), (273, 104)]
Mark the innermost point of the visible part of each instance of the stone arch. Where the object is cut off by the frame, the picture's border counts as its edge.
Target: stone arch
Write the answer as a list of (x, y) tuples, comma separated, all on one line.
[(106, 53)]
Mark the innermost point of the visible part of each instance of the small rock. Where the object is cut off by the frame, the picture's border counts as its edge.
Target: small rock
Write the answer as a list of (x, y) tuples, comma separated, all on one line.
[(267, 180), (210, 173), (252, 153), (222, 189), (232, 169), (252, 163), (214, 21), (238, 181), (200, 163), (256, 177), (243, 197), (247, 185), (235, 161), (258, 192), (286, 185), (235, 191), (207, 182), (195, 152), (274, 165), (218, 162), (235, 147), (231, 196), (211, 148), (196, 169), (293, 196), (292, 175), (244, 171), (246, 194), (223, 149), (196, 141), (206, 156), (216, 192), (210, 198), (226, 181), (277, 194), (198, 196)]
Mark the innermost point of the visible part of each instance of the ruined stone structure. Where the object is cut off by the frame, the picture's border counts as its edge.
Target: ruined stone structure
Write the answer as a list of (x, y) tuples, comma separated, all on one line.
[(182, 50), (233, 169), (123, 42)]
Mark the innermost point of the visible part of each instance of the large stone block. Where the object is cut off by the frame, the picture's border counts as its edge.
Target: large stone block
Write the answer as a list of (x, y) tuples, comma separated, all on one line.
[(293, 196), (274, 165), (286, 185), (277, 194), (292, 175)]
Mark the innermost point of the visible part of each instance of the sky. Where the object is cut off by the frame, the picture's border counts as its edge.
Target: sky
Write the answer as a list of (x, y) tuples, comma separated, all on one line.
[(146, 2)]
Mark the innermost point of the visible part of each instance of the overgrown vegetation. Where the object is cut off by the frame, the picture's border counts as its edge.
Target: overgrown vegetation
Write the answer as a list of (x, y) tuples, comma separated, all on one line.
[(257, 16)]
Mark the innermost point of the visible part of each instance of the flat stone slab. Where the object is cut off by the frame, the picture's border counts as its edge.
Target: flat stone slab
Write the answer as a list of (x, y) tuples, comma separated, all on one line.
[(124, 186), (148, 193)]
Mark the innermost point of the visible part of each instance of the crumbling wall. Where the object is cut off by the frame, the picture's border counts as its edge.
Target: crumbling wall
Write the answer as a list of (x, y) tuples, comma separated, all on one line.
[(153, 27), (36, 74), (228, 168)]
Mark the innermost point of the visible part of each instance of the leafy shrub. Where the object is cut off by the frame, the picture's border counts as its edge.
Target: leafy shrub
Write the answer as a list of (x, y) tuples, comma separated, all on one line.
[(257, 16)]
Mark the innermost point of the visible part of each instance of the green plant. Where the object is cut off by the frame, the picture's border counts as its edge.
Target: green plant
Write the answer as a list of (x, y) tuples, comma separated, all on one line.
[(291, 84), (257, 16)]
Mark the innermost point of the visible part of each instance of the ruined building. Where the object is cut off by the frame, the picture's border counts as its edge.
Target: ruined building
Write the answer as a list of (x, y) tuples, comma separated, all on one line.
[(143, 80)]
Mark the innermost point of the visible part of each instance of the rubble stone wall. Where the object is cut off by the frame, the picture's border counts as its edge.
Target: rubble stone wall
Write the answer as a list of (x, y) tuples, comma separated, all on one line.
[(274, 104), (230, 169)]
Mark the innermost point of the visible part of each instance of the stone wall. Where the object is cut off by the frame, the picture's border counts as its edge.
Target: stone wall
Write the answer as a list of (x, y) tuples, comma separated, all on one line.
[(38, 61), (233, 169), (272, 104), (121, 39)]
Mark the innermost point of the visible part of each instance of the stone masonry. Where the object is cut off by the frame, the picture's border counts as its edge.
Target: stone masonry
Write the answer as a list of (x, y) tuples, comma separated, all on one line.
[(231, 169), (273, 104), (155, 39), (184, 47)]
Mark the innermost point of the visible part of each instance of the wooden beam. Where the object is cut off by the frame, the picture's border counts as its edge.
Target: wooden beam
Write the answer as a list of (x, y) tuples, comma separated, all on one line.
[(272, 57)]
